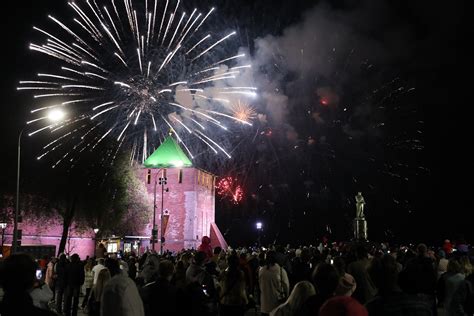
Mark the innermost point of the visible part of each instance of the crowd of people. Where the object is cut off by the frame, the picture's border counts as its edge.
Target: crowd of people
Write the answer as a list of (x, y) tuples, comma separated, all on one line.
[(331, 279)]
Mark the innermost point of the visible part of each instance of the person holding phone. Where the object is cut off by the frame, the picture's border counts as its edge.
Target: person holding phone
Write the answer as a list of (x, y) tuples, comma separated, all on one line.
[(18, 274), (41, 292)]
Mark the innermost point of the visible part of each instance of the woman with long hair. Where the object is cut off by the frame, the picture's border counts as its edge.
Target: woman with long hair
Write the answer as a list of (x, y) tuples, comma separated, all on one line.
[(273, 282), (94, 302), (232, 296), (88, 280), (466, 265), (301, 292)]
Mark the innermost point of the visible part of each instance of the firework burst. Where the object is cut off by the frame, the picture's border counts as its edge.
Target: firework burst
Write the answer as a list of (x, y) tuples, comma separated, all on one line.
[(131, 71), (243, 111), (228, 188)]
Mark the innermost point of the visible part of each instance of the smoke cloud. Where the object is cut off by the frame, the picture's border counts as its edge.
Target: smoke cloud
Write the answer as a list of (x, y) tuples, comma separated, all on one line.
[(313, 62)]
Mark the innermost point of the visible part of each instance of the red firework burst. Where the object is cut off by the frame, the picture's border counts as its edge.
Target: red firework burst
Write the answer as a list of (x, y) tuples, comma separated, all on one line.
[(228, 188)]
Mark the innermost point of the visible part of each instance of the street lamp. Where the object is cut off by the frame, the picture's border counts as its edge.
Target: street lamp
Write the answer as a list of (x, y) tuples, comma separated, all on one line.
[(96, 230), (259, 226), (3, 226), (54, 115)]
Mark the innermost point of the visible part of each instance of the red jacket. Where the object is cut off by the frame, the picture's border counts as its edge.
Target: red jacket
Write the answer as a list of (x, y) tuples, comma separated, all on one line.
[(205, 246)]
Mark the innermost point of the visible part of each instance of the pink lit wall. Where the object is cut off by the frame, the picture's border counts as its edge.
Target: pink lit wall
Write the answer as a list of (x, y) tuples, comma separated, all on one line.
[(48, 232)]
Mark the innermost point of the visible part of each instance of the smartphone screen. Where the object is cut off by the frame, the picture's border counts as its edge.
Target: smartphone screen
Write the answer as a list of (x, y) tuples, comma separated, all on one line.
[(39, 274), (204, 290)]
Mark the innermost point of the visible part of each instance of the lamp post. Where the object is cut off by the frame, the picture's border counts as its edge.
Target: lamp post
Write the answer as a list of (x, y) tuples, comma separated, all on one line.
[(3, 226), (17, 204), (259, 226), (96, 230), (54, 115), (162, 181)]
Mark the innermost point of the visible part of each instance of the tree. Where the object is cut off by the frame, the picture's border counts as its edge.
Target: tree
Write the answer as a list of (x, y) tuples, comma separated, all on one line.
[(90, 195), (116, 205)]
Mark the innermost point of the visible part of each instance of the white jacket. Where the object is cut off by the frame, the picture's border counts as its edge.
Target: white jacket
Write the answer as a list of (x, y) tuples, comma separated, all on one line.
[(272, 281), (41, 296), (121, 298)]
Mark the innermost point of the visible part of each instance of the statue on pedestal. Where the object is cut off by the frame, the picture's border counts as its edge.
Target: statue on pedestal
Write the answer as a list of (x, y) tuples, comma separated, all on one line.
[(359, 205)]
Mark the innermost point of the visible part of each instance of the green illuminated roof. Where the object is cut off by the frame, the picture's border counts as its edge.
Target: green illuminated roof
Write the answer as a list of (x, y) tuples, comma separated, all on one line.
[(168, 155)]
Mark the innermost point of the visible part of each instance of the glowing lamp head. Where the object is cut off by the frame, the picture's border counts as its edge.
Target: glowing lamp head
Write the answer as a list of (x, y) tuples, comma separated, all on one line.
[(96, 230), (3, 225), (259, 225), (56, 115)]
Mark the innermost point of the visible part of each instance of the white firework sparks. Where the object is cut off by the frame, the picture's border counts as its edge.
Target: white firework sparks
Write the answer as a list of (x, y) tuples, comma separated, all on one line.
[(124, 69)]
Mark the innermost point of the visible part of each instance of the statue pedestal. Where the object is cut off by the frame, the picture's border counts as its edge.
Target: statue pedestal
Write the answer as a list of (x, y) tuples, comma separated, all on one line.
[(360, 229)]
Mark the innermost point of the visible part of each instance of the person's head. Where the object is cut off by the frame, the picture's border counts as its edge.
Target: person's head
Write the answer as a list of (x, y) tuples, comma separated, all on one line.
[(100, 261), (347, 285), (340, 265), (422, 250), (199, 258), (62, 258), (270, 258), (361, 252), (466, 265), (217, 250), (384, 273), (300, 294), (343, 306), (211, 268), (75, 258), (166, 269), (325, 279), (206, 240), (280, 248), (18, 274), (298, 253), (113, 265), (441, 253), (186, 258), (89, 264), (454, 266), (233, 262), (305, 255)]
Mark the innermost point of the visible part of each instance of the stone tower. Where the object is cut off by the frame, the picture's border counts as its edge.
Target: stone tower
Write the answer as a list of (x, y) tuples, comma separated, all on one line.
[(189, 203)]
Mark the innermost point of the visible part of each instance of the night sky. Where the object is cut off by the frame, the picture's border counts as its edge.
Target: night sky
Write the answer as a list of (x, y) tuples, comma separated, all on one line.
[(359, 96)]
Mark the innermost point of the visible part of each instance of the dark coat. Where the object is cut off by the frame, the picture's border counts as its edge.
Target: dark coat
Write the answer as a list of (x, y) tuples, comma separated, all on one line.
[(74, 274), (161, 298)]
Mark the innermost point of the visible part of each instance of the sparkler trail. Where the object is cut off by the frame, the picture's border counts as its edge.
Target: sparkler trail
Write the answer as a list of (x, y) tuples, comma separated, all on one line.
[(142, 69)]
